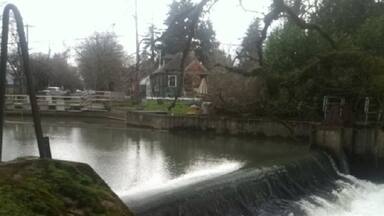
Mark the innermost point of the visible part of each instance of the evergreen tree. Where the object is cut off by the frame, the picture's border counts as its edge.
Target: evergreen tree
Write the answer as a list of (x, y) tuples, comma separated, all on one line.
[(174, 39), (342, 17), (150, 47), (248, 56)]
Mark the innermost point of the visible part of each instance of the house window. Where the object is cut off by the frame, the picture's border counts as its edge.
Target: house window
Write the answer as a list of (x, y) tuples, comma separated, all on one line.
[(172, 81)]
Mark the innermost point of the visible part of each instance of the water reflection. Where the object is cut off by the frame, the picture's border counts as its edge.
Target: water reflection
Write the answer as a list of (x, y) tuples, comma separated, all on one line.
[(136, 160)]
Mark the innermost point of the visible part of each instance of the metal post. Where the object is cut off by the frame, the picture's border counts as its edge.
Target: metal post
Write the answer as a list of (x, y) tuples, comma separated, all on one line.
[(42, 142), (325, 107), (366, 109)]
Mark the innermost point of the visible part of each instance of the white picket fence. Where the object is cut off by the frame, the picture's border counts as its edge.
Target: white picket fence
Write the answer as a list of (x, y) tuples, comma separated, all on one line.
[(100, 101)]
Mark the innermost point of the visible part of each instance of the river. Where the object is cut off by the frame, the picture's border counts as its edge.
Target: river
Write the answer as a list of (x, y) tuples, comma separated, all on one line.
[(143, 166)]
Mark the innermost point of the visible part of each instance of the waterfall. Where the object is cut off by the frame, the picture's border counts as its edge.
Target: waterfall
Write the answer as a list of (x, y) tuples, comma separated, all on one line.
[(275, 190), (350, 197)]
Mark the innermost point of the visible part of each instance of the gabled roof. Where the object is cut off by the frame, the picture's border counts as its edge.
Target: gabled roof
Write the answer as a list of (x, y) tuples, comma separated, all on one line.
[(197, 66)]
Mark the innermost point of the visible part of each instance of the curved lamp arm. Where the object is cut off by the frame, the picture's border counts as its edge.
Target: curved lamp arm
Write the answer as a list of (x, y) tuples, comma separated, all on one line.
[(42, 142)]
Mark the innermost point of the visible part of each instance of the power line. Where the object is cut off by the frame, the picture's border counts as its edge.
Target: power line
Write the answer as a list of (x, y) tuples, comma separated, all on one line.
[(230, 44)]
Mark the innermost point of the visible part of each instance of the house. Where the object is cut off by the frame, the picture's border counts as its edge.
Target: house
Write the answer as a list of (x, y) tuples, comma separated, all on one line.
[(168, 81), (195, 79)]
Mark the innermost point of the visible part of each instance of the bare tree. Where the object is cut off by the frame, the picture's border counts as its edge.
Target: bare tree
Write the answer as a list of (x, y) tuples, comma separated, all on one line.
[(101, 61), (246, 94), (14, 63)]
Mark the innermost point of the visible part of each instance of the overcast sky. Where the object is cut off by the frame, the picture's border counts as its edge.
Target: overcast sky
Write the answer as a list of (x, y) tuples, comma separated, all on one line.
[(62, 24)]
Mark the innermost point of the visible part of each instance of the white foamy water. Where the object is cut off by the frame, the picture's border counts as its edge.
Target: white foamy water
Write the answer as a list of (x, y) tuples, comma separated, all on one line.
[(194, 174), (354, 198)]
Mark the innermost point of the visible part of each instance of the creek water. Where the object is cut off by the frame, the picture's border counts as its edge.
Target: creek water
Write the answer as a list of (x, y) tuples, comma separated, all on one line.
[(190, 173)]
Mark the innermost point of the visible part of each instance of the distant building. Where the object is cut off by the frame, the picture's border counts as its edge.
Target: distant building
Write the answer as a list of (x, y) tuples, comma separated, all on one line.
[(195, 79), (167, 79)]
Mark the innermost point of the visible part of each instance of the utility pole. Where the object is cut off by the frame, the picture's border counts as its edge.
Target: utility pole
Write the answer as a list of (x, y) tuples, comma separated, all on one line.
[(49, 50), (27, 26), (136, 84), (137, 38), (152, 29)]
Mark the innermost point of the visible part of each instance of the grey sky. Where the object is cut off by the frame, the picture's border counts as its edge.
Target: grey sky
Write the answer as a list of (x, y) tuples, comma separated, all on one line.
[(61, 24)]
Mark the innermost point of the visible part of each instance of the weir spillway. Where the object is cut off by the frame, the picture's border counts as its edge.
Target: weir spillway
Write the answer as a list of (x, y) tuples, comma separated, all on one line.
[(294, 188), (206, 174)]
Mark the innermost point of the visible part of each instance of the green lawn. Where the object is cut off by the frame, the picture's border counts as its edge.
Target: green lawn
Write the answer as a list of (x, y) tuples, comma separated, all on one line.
[(152, 105)]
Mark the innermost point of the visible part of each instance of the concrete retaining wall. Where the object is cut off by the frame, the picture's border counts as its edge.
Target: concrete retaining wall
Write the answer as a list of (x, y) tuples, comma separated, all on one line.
[(115, 115), (362, 147), (231, 126)]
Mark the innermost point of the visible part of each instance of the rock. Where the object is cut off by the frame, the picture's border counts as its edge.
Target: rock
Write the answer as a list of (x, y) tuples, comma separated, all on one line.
[(52, 187)]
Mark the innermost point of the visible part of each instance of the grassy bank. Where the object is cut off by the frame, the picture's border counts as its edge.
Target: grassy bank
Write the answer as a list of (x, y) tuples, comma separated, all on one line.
[(162, 106), (180, 108), (49, 187)]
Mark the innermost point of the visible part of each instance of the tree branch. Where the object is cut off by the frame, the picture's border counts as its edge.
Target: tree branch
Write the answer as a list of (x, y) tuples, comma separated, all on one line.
[(248, 10), (279, 7), (304, 25)]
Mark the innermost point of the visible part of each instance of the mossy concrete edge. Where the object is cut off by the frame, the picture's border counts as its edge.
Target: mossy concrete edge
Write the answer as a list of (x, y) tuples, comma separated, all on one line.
[(53, 187)]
